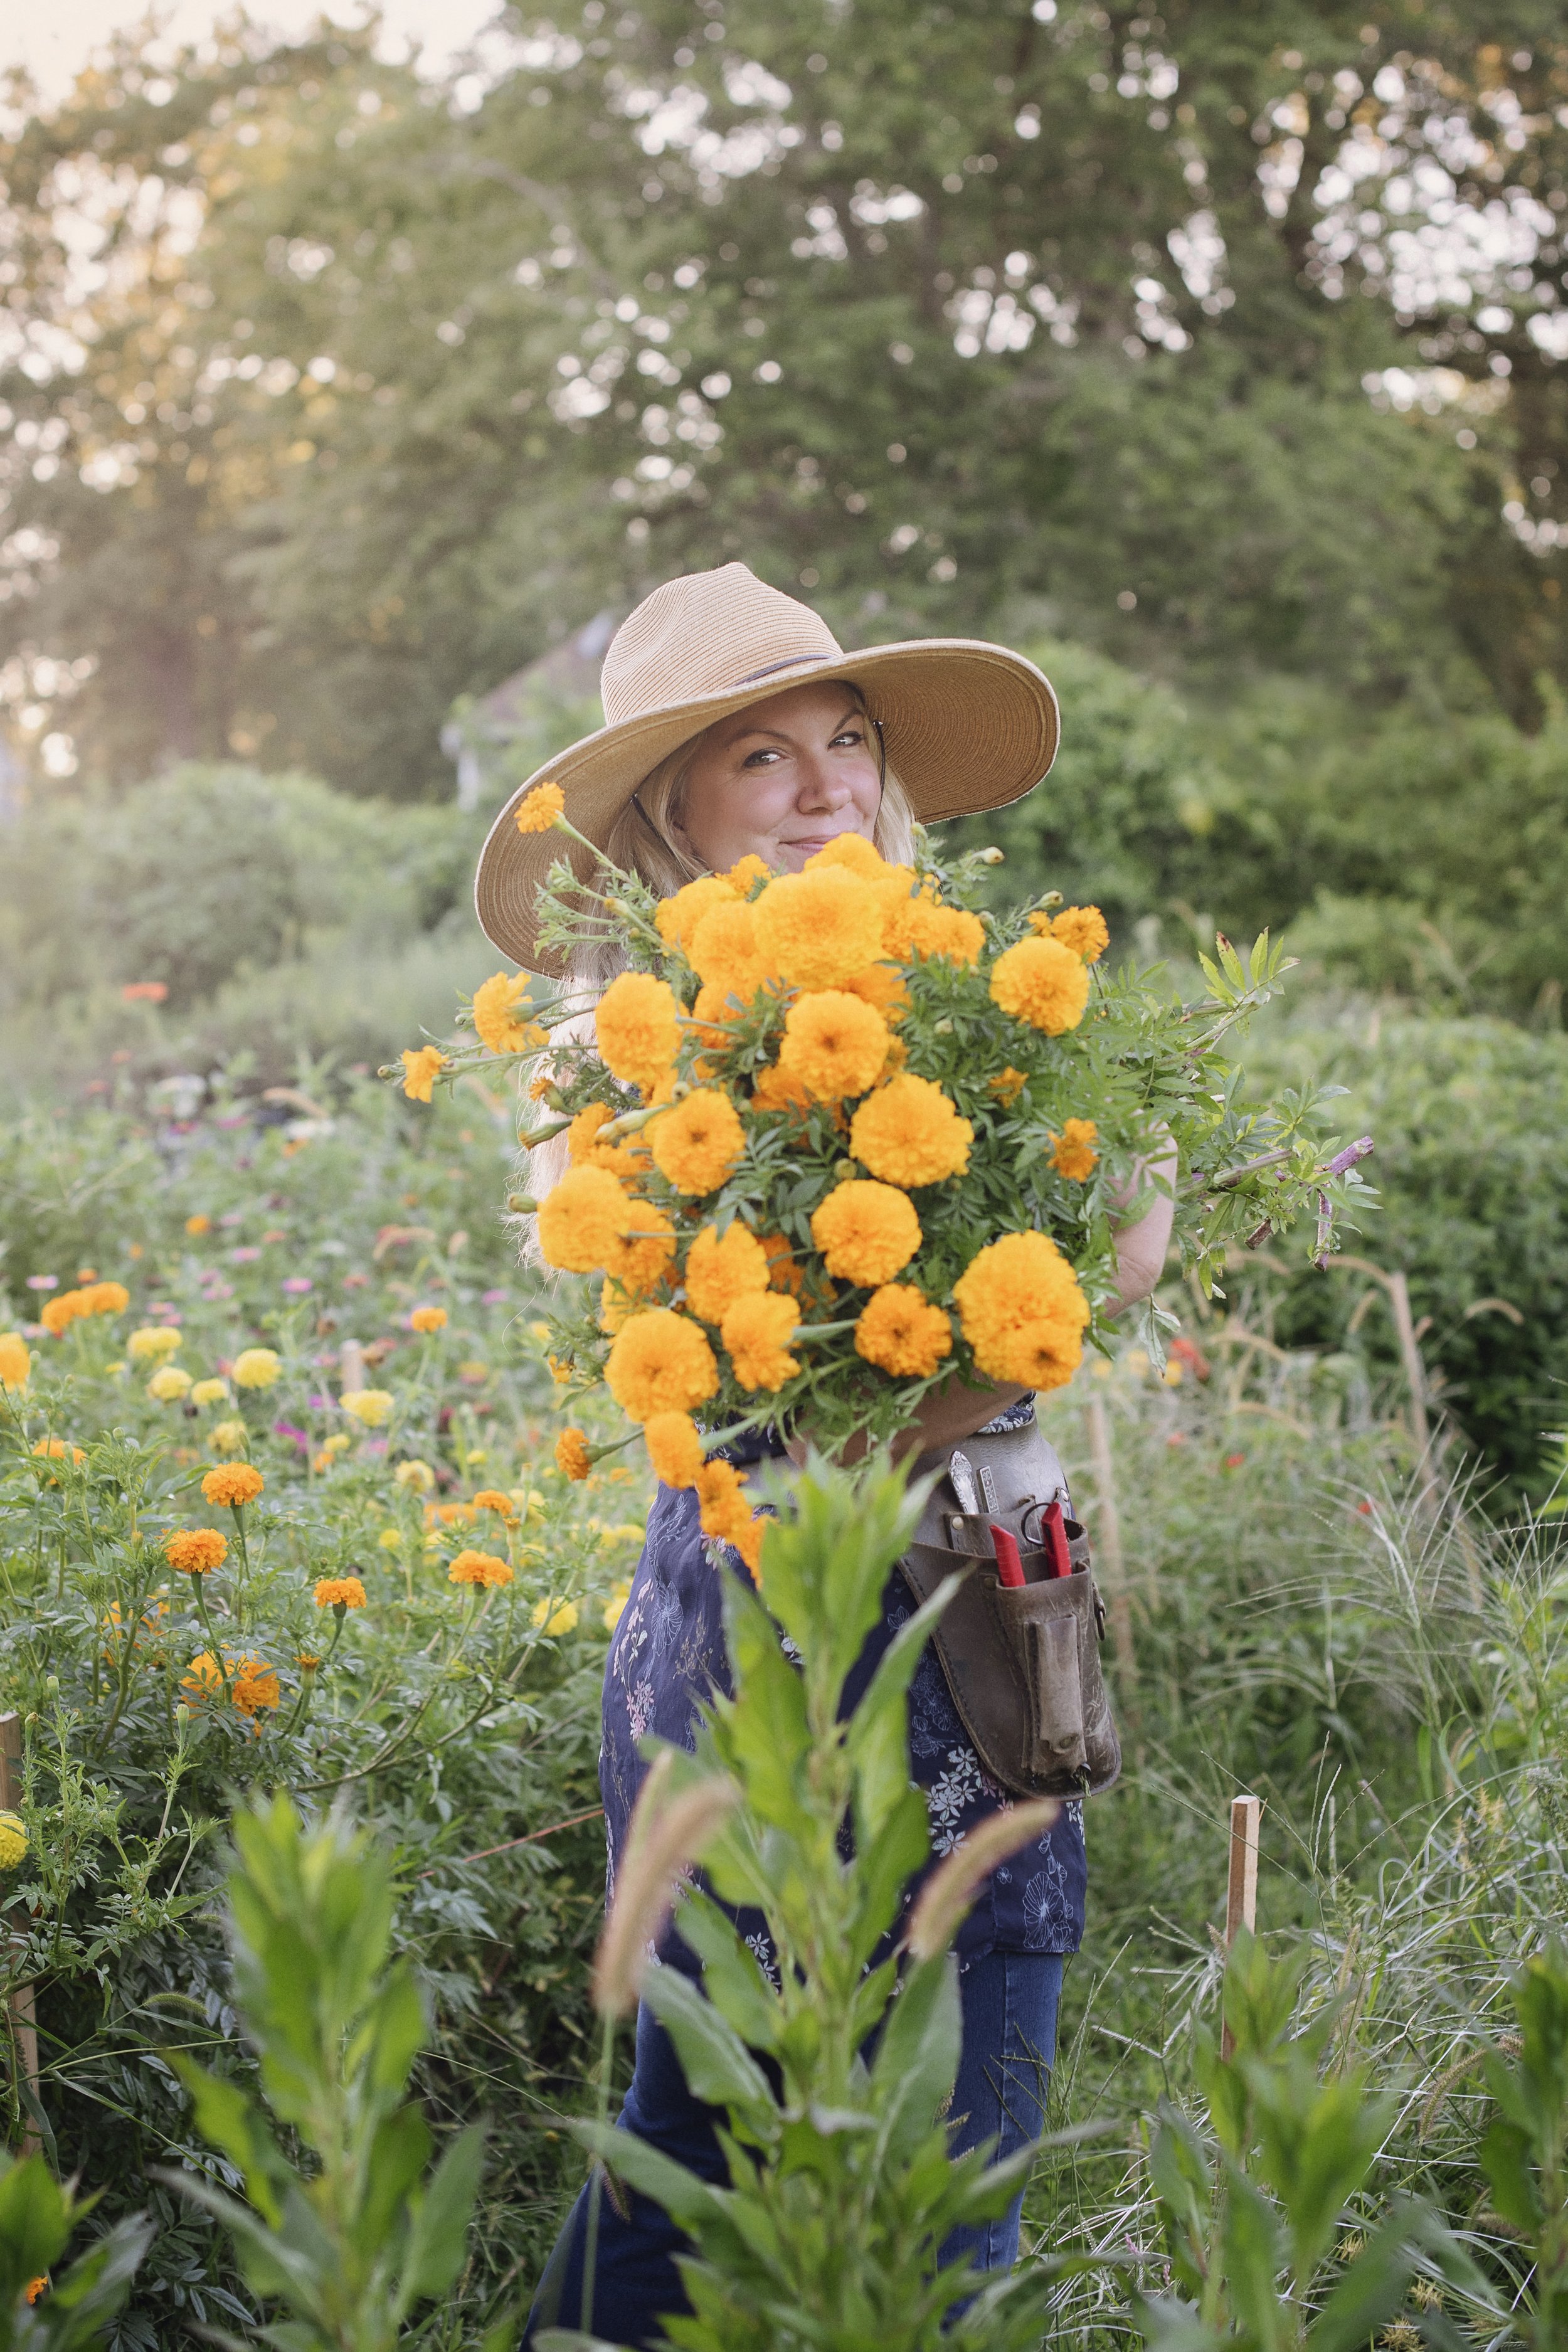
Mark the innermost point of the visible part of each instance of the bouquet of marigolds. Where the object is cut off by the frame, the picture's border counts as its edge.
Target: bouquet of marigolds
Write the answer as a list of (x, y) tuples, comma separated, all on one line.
[(836, 1138)]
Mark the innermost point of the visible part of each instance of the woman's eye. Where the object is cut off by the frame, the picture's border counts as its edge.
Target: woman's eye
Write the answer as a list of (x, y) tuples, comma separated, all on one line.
[(850, 735), (761, 759)]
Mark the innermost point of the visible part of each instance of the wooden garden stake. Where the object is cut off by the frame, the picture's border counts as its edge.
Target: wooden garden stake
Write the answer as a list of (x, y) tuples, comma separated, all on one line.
[(1241, 1891), (23, 2014)]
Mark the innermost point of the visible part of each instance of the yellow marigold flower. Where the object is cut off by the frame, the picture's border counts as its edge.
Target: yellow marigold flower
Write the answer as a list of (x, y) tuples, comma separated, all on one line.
[(660, 1362), (427, 1319), (674, 1447), (854, 853), (55, 1449), (775, 1089), (573, 1458), (198, 1224), (725, 953), (339, 1443), (256, 1368), (643, 1251), (725, 1515), (203, 1679), (417, 1477), (539, 808), (757, 1331), (834, 1043), (1043, 982), (882, 985), (105, 1297), (909, 1133), (57, 1313), (339, 1593), (783, 1272), (1007, 1086), (195, 1550), (1073, 1154), (743, 876), (721, 1269), (1023, 1312), (482, 1568), (229, 1437), (491, 1498), (207, 1392), (637, 1028), (253, 1687), (389, 1539), (553, 1616), (13, 1846), (902, 1332), (496, 1024), (560, 1371), (581, 1149), (234, 1483), (16, 1360), (866, 1233), (697, 1143), (818, 929), (581, 1220), (615, 1605), (154, 1341), (422, 1066), (923, 927), (679, 917), (371, 1406), (169, 1383), (1084, 930)]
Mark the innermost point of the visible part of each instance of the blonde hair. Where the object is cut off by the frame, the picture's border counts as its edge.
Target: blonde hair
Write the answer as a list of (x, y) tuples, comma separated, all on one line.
[(649, 839)]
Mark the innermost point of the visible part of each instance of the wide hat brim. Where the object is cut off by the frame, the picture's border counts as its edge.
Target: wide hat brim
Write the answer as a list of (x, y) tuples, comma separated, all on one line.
[(967, 726)]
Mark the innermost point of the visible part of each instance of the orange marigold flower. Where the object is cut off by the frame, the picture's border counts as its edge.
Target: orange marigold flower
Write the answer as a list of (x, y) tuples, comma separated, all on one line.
[(637, 1028), (909, 1133), (1023, 1311), (854, 853), (57, 1313), (36, 2288), (573, 1458), (581, 1220), (923, 927), (234, 1483), (745, 876), (1007, 1086), (1043, 982), (757, 1331), (881, 984), (55, 1449), (679, 917), (644, 1249), (725, 952), (253, 1685), (16, 1360), (834, 1043), (481, 1568), (660, 1362), (721, 1269), (421, 1069), (539, 808), (775, 1089), (725, 1515), (196, 1551), (203, 1679), (200, 1223), (1073, 1154), (819, 929), (783, 1272), (902, 1332), (866, 1233), (496, 1023), (106, 1297), (339, 1593), (580, 1135), (427, 1319), (697, 1143), (674, 1447), (1084, 930), (491, 1498)]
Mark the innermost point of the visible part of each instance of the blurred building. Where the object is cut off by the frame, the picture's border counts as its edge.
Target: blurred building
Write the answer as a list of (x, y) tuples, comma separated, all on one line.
[(496, 740)]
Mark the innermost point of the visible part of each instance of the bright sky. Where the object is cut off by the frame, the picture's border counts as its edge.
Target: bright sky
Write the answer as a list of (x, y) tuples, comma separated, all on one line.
[(56, 40)]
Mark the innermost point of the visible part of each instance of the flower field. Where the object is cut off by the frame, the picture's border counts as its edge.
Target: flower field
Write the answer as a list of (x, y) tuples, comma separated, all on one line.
[(289, 1517)]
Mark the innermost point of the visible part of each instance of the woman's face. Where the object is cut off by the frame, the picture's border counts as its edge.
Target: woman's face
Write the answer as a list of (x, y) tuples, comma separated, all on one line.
[(781, 779)]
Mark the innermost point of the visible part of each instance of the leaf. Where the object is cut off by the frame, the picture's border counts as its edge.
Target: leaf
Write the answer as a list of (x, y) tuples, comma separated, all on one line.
[(685, 2196), (439, 2236), (719, 2068), (1374, 2285), (227, 2118), (732, 1973), (918, 2059)]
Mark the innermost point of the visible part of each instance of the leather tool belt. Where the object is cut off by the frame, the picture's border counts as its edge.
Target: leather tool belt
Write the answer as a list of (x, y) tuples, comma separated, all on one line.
[(1022, 1661)]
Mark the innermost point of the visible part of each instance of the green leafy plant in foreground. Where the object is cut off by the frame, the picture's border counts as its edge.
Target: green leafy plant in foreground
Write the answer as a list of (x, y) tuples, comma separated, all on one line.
[(1525, 2153), (832, 2067), (70, 2312), (353, 2244), (1246, 2230)]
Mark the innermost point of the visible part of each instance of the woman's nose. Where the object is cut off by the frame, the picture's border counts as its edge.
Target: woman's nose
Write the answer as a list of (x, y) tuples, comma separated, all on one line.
[(821, 786)]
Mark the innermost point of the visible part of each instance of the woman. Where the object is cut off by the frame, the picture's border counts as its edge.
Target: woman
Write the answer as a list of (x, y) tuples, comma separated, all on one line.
[(736, 726)]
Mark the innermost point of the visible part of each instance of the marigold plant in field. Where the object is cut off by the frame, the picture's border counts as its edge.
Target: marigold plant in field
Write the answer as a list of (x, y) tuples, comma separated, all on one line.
[(195, 1550), (234, 1483)]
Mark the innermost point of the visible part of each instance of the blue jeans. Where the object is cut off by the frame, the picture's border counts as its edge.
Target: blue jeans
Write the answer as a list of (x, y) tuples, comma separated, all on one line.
[(1004, 2073)]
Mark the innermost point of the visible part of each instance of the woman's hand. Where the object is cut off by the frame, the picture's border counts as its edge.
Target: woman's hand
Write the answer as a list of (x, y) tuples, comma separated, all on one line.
[(1141, 1248)]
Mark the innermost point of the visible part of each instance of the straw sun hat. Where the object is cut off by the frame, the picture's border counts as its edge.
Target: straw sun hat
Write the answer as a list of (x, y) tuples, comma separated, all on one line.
[(967, 726)]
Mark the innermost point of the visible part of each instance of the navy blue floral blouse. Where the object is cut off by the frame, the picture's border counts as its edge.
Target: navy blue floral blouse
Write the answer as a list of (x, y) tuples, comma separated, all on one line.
[(667, 1654)]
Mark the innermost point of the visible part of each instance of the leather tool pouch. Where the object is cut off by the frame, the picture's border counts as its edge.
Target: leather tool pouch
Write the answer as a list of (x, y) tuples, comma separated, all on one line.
[(1022, 1663)]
